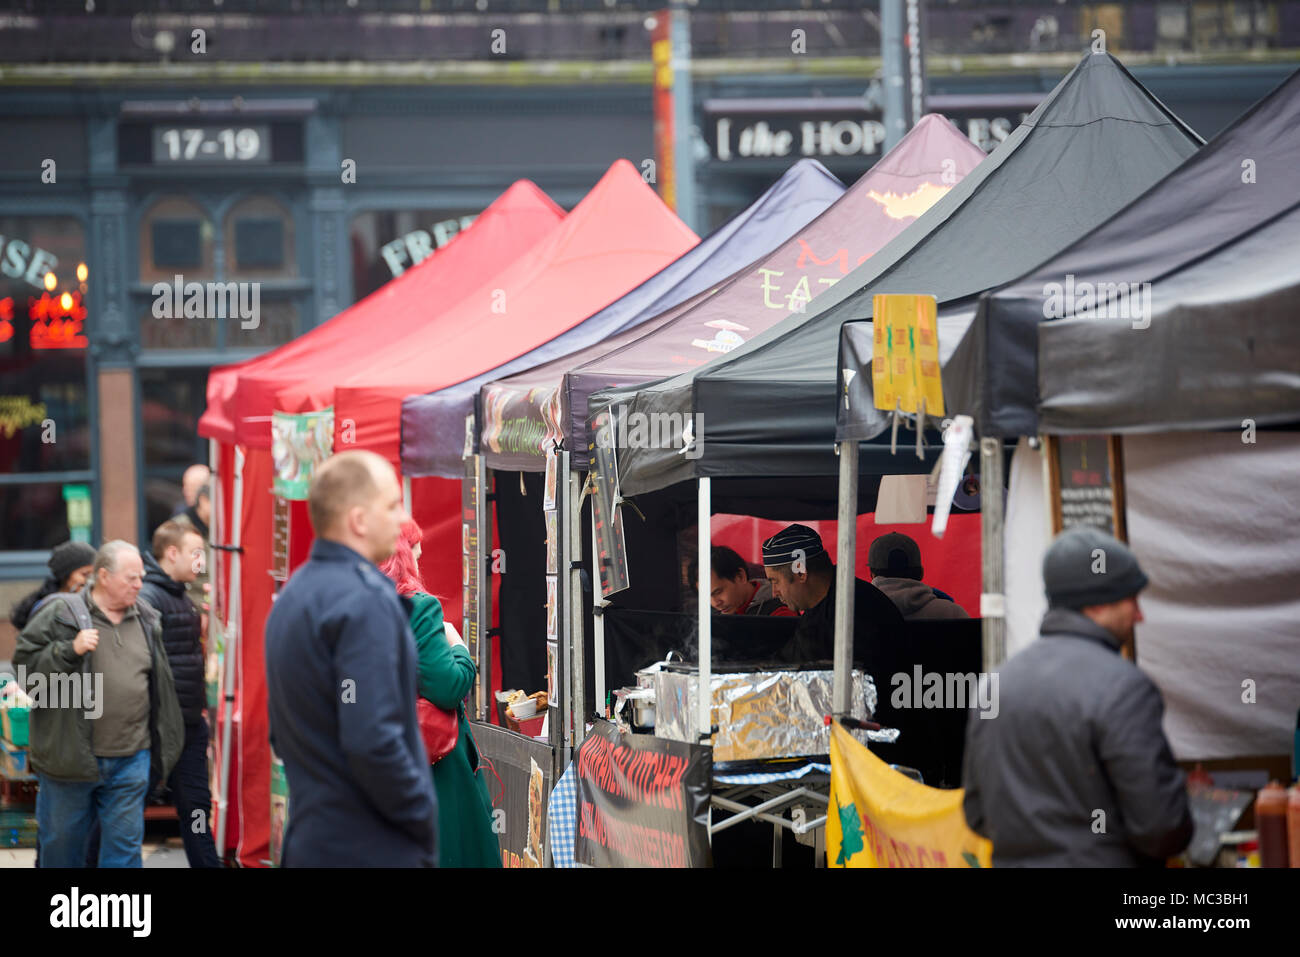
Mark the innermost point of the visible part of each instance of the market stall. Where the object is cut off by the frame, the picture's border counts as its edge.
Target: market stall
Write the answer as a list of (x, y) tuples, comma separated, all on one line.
[(255, 536), (1179, 343), (919, 171), (1071, 146), (433, 423), (767, 405), (559, 609)]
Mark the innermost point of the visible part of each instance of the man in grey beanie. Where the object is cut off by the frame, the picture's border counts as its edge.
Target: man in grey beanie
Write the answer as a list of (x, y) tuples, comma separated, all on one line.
[(1075, 770)]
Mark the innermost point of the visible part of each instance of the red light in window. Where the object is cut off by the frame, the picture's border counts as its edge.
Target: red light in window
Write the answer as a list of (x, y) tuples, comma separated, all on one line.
[(56, 321)]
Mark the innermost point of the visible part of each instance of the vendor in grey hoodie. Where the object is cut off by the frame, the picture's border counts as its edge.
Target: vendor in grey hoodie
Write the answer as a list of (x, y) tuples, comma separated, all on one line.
[(895, 562), (1075, 770)]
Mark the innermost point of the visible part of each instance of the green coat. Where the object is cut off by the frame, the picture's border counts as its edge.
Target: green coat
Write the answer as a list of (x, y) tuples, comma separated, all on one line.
[(465, 835)]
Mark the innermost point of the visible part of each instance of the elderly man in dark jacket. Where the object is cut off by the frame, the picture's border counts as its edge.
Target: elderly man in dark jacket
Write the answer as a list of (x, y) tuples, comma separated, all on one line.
[(341, 684), (1074, 770), (177, 559)]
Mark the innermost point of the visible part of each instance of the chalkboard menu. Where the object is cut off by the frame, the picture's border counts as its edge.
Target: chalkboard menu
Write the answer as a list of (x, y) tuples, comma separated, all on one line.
[(1087, 482)]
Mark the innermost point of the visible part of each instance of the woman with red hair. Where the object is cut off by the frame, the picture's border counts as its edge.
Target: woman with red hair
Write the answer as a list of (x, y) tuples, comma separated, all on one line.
[(446, 673)]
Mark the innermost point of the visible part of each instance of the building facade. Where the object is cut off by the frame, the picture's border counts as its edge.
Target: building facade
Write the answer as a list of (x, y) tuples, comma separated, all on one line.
[(126, 186)]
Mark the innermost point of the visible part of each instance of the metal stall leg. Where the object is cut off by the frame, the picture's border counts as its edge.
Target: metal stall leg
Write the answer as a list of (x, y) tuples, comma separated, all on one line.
[(992, 596), (234, 628), (845, 589), (597, 615), (704, 716), (573, 536)]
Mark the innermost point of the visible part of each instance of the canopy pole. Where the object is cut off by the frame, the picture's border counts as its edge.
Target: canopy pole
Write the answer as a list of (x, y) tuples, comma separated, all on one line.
[(704, 610), (992, 519), (573, 529), (846, 553), (597, 615), (560, 721), (233, 627)]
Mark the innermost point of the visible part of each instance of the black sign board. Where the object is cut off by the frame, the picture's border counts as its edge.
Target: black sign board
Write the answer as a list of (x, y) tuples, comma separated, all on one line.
[(642, 801), (833, 128), (520, 798)]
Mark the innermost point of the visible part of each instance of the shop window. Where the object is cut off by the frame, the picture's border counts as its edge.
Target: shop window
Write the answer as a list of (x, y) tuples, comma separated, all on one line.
[(259, 243), (178, 243), (175, 238), (44, 411), (33, 517), (259, 239), (171, 402)]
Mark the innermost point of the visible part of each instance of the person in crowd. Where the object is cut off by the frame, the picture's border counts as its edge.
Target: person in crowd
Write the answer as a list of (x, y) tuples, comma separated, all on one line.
[(803, 577), (895, 561), (1075, 770), (94, 746), (69, 565), (193, 479), (177, 557), (197, 516), (341, 674), (446, 672), (732, 591)]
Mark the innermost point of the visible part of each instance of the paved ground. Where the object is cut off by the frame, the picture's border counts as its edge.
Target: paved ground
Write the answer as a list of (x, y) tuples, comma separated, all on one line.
[(158, 852)]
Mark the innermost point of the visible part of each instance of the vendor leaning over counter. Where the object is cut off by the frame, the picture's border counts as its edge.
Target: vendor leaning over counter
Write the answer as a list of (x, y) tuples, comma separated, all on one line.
[(732, 591), (803, 577)]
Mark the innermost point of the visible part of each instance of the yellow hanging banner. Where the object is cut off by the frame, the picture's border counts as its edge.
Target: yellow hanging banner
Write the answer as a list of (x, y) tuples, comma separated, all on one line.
[(878, 817), (905, 353)]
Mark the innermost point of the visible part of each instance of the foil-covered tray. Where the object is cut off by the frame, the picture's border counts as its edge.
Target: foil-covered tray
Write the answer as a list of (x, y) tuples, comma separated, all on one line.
[(759, 715)]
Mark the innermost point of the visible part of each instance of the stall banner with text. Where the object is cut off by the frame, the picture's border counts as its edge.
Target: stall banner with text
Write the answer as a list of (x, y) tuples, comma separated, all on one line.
[(881, 818), (642, 801), (905, 353)]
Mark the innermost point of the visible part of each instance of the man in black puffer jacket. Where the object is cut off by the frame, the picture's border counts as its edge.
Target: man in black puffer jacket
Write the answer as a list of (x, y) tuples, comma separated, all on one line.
[(177, 559)]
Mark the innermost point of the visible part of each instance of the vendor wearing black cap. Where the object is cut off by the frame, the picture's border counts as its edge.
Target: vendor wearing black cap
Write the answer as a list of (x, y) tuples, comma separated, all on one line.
[(803, 577), (1075, 770)]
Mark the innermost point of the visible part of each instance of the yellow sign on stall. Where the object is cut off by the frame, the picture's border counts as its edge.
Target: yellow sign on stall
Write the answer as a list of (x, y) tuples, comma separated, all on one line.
[(878, 817), (905, 353)]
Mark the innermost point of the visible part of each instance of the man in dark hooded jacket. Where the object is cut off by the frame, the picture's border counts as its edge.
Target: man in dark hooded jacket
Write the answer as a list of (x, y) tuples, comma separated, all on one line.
[(1071, 767), (177, 559)]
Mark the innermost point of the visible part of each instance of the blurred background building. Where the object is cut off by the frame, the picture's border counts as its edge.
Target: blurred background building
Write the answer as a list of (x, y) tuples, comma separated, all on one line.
[(146, 140)]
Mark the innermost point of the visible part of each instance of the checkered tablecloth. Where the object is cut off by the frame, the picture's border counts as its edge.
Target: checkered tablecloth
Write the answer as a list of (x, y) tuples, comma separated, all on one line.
[(562, 817)]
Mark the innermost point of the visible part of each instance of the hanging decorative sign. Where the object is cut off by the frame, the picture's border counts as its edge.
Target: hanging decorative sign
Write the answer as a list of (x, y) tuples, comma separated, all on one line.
[(905, 354), (299, 444)]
